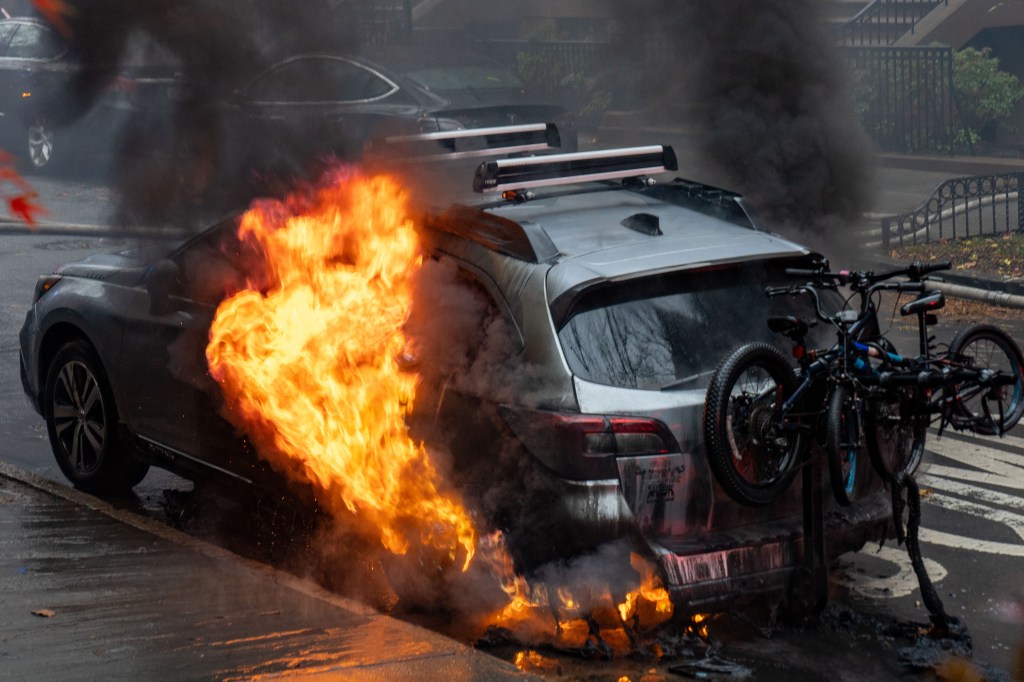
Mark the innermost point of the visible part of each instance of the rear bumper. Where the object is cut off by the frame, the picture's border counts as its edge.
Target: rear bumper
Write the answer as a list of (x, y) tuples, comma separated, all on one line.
[(708, 568), (762, 560)]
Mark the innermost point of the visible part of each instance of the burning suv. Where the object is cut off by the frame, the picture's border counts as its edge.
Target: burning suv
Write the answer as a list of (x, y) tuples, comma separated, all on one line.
[(578, 307)]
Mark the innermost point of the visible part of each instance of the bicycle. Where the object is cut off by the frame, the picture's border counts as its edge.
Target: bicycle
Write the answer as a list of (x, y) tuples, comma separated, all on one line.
[(857, 395), (760, 417)]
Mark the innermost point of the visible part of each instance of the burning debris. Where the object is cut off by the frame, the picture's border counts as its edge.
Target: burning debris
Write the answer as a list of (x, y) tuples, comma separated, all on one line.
[(577, 606)]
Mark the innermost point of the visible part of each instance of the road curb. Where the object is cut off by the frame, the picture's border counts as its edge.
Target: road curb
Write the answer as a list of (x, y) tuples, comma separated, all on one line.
[(186, 541), (14, 227)]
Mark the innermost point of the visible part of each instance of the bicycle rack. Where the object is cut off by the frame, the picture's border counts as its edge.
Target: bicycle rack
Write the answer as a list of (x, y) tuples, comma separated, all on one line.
[(810, 582)]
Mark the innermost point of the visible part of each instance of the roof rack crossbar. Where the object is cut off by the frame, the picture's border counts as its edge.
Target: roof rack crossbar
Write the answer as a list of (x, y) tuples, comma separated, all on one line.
[(476, 142), (564, 169)]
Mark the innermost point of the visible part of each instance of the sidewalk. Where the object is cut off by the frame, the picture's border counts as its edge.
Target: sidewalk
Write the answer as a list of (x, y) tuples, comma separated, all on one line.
[(89, 592)]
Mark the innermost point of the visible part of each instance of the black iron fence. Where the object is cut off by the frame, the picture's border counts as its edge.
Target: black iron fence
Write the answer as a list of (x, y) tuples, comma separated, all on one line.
[(544, 64), (883, 22), (904, 97), (960, 208)]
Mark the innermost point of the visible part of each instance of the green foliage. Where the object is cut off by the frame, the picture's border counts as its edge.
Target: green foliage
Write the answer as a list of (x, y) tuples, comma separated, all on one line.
[(546, 71), (985, 95)]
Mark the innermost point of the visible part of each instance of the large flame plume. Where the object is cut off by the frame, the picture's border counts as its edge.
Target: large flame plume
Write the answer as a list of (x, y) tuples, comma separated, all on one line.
[(307, 359)]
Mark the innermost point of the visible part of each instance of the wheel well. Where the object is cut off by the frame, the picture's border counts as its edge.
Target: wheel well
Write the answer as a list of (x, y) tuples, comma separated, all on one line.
[(58, 336)]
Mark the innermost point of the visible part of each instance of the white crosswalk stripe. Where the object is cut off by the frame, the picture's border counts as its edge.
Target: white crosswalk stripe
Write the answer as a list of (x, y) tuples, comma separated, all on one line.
[(987, 483)]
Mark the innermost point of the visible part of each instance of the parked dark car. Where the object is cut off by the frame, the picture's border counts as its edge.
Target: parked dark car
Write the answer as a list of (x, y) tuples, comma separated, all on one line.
[(311, 105), (45, 119), (614, 301)]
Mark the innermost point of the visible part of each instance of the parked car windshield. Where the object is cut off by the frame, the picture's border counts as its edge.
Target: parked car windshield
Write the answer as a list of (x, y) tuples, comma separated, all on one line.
[(671, 331)]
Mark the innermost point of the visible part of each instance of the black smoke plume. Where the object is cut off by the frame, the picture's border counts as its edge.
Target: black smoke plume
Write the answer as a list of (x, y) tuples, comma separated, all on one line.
[(182, 156), (763, 85)]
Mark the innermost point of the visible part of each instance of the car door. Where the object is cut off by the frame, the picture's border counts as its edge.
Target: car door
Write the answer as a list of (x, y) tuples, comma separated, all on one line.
[(175, 403), (39, 77), (8, 68)]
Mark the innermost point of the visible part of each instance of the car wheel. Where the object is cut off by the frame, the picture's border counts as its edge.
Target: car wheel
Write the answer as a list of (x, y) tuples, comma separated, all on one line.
[(81, 418), (40, 144)]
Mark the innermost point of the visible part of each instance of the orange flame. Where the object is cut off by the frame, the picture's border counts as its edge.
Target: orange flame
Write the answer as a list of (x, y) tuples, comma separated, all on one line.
[(308, 368), (538, 613)]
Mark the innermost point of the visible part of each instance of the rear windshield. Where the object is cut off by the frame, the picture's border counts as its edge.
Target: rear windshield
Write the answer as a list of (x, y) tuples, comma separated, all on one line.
[(671, 331)]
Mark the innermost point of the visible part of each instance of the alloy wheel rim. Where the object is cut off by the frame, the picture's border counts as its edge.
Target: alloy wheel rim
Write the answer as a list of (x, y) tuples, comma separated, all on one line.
[(40, 145), (79, 416)]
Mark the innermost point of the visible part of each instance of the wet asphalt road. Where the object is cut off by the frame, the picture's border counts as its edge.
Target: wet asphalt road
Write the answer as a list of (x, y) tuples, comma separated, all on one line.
[(973, 536)]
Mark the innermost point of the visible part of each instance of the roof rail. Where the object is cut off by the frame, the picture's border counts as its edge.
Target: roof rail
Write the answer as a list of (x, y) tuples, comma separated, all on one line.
[(475, 142), (564, 169)]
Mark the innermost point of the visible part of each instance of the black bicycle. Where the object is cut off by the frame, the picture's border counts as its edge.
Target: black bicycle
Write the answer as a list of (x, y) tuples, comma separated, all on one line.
[(858, 395), (761, 416)]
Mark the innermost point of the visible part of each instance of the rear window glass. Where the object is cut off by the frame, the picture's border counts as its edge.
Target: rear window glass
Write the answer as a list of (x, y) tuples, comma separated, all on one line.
[(672, 331)]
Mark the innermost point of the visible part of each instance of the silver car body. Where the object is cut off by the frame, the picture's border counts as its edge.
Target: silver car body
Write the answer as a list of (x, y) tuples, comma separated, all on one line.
[(576, 244)]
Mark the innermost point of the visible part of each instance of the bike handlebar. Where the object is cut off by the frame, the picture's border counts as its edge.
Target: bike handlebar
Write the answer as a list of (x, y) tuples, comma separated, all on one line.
[(863, 279)]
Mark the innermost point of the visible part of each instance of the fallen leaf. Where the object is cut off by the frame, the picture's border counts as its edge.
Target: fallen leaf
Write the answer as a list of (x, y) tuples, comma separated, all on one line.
[(24, 208), (45, 613)]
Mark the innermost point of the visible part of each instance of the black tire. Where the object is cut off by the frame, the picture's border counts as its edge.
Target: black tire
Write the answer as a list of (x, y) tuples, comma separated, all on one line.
[(894, 432), (81, 418), (753, 461), (983, 345), (844, 445)]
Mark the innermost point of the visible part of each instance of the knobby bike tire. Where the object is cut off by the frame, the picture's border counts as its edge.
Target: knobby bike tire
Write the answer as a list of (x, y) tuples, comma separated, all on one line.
[(752, 459), (895, 428), (987, 346), (844, 444)]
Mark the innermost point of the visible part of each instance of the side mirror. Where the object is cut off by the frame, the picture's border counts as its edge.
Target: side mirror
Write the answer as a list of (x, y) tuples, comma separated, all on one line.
[(162, 280)]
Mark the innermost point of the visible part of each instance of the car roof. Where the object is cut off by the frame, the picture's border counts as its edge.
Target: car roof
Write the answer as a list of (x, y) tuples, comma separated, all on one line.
[(592, 242)]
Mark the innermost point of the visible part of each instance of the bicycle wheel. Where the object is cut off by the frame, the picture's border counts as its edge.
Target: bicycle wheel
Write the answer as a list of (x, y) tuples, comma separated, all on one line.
[(894, 432), (985, 346), (752, 451), (843, 443)]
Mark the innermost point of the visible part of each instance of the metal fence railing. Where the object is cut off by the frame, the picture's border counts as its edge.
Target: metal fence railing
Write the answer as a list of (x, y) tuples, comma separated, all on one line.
[(904, 96), (543, 63), (883, 22), (960, 208)]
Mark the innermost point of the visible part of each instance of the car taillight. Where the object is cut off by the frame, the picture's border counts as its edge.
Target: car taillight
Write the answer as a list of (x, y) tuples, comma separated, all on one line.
[(586, 445), (609, 436)]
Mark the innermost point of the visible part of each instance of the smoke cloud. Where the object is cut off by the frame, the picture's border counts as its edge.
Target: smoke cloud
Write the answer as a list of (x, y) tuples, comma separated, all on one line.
[(763, 86), (182, 157)]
